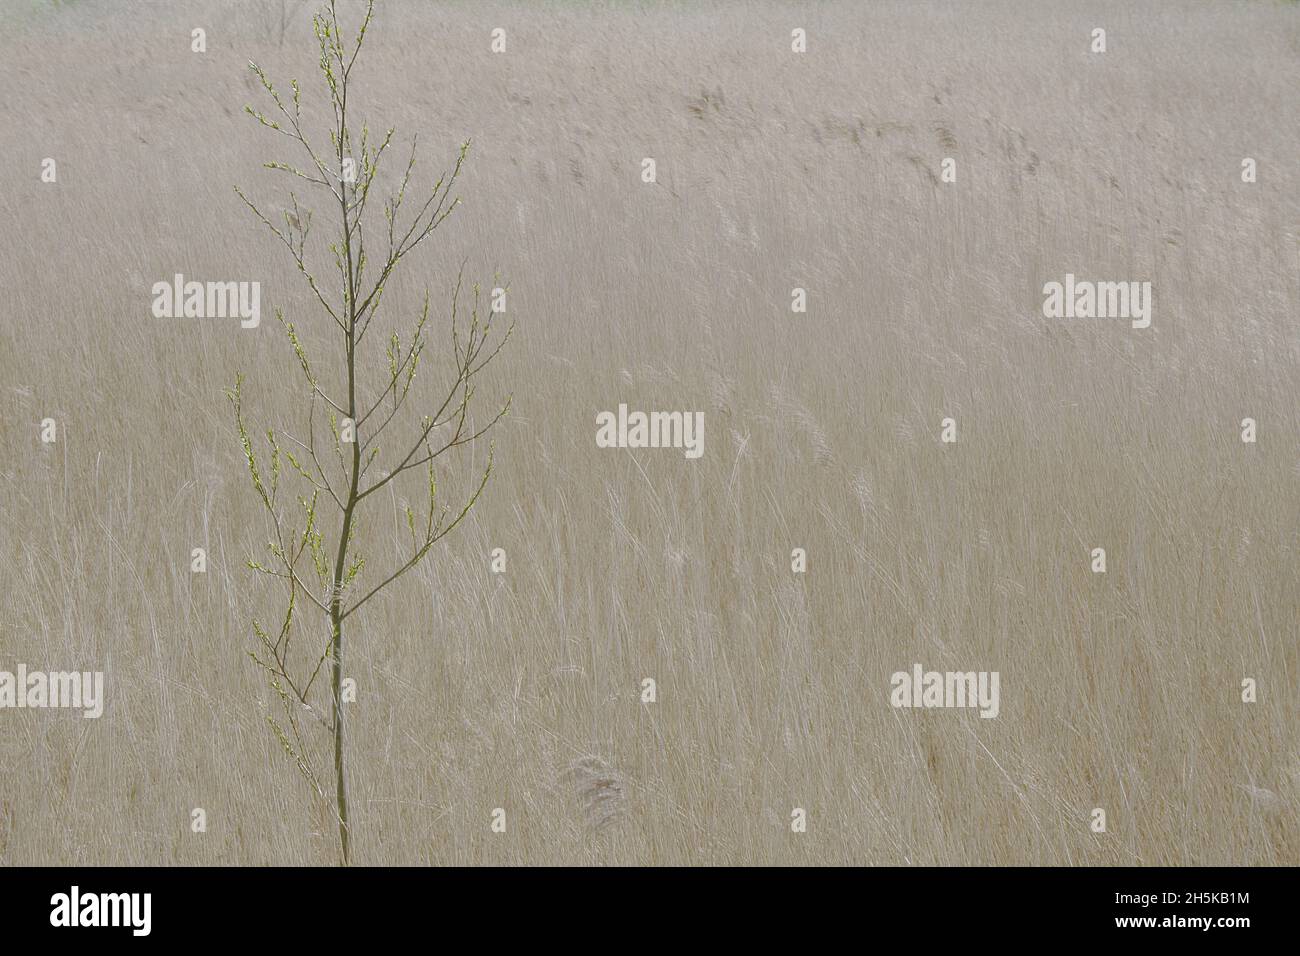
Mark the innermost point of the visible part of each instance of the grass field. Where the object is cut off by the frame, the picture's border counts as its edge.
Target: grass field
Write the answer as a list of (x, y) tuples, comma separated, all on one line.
[(776, 170)]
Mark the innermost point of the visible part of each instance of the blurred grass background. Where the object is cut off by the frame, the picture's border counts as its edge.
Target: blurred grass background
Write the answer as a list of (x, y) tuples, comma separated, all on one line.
[(776, 170)]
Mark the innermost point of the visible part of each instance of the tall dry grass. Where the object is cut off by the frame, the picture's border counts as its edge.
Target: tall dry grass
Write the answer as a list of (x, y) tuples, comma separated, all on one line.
[(522, 690)]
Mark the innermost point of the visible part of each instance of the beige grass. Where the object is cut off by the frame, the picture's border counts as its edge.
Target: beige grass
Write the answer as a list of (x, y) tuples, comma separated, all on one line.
[(480, 691)]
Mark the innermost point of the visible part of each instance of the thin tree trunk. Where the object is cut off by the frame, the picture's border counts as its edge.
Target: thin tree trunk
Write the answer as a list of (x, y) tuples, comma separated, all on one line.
[(340, 793), (336, 619), (345, 532)]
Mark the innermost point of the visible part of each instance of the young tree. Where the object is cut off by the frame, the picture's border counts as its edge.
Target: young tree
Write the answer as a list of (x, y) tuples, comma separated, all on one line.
[(316, 534)]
